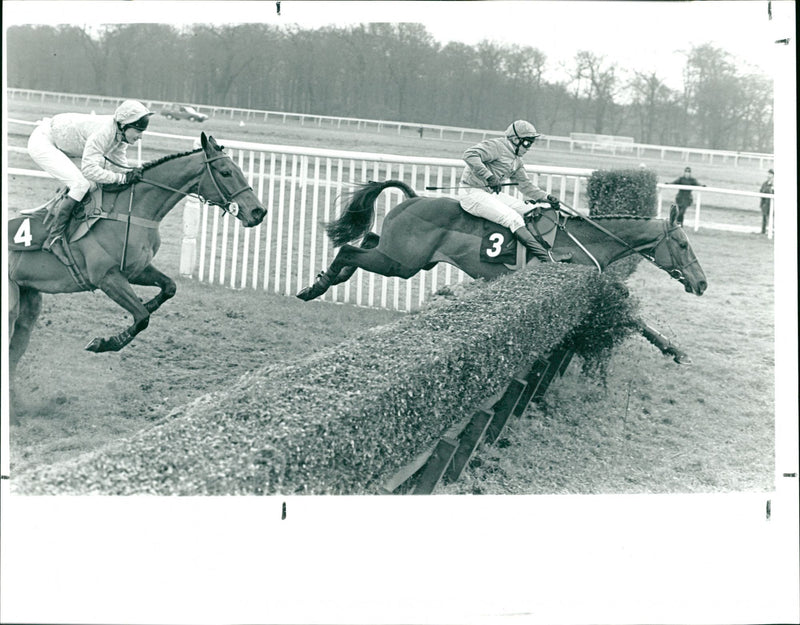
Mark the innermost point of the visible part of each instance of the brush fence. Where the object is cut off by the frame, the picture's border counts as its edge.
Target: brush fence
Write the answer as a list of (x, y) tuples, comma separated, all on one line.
[(344, 420)]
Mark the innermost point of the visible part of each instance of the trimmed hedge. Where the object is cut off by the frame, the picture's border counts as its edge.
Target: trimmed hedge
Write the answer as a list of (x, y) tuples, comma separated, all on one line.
[(623, 192), (345, 419)]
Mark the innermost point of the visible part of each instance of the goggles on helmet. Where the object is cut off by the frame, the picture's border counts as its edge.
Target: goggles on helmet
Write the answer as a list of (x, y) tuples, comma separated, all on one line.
[(527, 142), (140, 124)]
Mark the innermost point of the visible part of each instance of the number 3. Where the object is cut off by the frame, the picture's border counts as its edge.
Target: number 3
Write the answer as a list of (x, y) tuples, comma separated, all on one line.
[(497, 239), (23, 234)]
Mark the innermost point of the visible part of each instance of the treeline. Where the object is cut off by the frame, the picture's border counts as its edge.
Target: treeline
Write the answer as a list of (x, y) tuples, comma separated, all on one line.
[(398, 72)]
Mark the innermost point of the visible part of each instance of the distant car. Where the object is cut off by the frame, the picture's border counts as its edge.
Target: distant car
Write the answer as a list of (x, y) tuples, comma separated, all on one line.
[(182, 111)]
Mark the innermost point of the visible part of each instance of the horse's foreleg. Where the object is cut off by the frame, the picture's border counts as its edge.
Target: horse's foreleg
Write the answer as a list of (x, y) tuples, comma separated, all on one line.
[(667, 347), (151, 276), (117, 287), (25, 304)]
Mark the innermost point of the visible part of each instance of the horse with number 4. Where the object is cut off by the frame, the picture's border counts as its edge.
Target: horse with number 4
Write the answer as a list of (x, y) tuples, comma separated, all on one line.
[(115, 239), (423, 231)]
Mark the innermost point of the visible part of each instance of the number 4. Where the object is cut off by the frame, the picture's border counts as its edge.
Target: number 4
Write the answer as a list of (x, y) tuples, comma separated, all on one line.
[(23, 234)]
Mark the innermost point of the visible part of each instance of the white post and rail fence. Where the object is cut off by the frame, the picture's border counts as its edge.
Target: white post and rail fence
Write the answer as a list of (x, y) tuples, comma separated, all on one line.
[(300, 186), (594, 143)]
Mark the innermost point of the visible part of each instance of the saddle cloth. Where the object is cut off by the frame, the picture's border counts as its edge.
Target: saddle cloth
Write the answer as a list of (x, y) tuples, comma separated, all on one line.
[(499, 245), (30, 230)]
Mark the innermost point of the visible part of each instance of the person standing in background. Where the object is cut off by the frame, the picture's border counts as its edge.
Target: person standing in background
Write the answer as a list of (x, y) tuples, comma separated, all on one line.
[(766, 187), (684, 197)]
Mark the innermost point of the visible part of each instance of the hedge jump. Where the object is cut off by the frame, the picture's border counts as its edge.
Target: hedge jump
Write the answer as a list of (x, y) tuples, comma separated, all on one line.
[(344, 420), (448, 459)]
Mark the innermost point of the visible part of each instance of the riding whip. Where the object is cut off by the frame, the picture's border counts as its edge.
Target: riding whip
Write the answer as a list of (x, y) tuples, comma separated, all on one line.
[(504, 184)]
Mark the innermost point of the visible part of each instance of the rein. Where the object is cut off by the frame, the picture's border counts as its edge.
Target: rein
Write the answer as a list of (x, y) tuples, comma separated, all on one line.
[(227, 204), (675, 273)]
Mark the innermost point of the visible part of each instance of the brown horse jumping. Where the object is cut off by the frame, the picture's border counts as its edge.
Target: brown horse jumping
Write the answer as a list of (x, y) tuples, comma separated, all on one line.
[(207, 172)]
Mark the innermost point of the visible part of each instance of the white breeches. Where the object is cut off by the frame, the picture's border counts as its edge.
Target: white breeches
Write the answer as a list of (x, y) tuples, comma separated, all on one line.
[(500, 208), (52, 160)]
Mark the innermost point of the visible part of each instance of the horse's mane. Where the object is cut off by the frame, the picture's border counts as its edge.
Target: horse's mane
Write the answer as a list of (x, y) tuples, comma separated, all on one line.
[(601, 217), (168, 157)]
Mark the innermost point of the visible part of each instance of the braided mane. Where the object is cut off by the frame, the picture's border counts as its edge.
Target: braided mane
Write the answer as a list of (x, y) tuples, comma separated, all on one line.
[(601, 217), (168, 157)]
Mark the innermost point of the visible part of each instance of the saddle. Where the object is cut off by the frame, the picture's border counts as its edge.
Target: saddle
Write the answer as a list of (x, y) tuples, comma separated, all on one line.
[(29, 231), (499, 245)]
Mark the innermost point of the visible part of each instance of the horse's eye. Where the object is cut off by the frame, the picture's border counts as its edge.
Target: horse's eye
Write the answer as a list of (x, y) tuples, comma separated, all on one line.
[(683, 245), (225, 173)]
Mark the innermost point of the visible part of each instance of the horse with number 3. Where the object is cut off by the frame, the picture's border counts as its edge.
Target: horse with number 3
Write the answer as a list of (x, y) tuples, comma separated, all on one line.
[(122, 238), (423, 231)]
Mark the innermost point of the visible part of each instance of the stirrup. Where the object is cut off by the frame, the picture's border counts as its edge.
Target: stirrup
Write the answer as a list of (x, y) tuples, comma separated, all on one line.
[(51, 240), (57, 249)]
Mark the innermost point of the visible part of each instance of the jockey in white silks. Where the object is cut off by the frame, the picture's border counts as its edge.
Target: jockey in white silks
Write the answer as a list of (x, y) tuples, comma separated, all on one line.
[(493, 161), (101, 142)]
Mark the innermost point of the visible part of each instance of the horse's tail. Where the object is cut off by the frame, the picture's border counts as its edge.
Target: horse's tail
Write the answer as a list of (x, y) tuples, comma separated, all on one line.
[(357, 217)]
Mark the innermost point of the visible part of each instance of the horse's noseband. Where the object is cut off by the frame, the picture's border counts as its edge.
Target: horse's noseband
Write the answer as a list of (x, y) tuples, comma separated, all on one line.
[(227, 204), (677, 270)]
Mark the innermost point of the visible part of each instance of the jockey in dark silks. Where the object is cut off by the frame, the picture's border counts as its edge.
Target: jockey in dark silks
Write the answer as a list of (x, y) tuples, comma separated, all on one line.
[(684, 197), (488, 164)]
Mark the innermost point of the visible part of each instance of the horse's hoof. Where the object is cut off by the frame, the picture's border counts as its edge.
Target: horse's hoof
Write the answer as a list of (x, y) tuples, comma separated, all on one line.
[(95, 345), (307, 294), (683, 359)]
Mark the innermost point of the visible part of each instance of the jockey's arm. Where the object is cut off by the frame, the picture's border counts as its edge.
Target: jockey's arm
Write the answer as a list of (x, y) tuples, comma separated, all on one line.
[(476, 158), (94, 165), (529, 190)]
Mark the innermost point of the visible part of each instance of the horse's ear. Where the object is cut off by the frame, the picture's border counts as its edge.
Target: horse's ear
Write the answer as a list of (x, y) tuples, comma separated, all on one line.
[(673, 216), (204, 141)]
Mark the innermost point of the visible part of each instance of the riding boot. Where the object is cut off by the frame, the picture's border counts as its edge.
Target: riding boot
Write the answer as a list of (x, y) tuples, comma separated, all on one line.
[(529, 241), (55, 242)]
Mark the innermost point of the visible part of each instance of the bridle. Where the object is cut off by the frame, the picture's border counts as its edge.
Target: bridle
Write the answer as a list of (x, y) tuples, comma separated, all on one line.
[(676, 272), (226, 203), (229, 205)]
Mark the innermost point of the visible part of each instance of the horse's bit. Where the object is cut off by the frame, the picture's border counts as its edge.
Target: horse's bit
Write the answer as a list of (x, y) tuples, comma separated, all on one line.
[(230, 206), (677, 271)]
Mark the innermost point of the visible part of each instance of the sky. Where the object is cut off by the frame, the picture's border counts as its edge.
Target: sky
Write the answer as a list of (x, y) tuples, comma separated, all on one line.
[(638, 35)]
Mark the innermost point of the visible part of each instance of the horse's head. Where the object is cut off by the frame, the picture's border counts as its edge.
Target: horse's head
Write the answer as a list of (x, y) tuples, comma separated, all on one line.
[(674, 254), (226, 185)]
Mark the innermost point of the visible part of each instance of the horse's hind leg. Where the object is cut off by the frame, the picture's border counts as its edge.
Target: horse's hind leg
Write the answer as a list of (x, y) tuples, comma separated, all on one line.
[(117, 287), (150, 276), (24, 306), (369, 242), (351, 257)]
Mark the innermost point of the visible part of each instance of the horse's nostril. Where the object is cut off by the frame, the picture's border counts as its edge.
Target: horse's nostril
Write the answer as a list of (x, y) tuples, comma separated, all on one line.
[(259, 213)]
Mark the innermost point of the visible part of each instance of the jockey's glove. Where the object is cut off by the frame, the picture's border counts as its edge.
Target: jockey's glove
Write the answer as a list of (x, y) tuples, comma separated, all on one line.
[(134, 175), (554, 201), (494, 182)]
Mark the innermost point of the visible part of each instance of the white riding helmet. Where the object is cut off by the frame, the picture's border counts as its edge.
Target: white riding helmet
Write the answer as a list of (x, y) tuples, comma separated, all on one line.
[(130, 112), (519, 130)]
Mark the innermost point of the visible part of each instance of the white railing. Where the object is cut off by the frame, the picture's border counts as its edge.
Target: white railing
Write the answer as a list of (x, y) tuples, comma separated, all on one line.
[(641, 150), (749, 219), (300, 187)]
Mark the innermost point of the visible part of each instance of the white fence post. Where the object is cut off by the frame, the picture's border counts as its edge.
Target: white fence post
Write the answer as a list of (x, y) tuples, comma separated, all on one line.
[(191, 230)]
